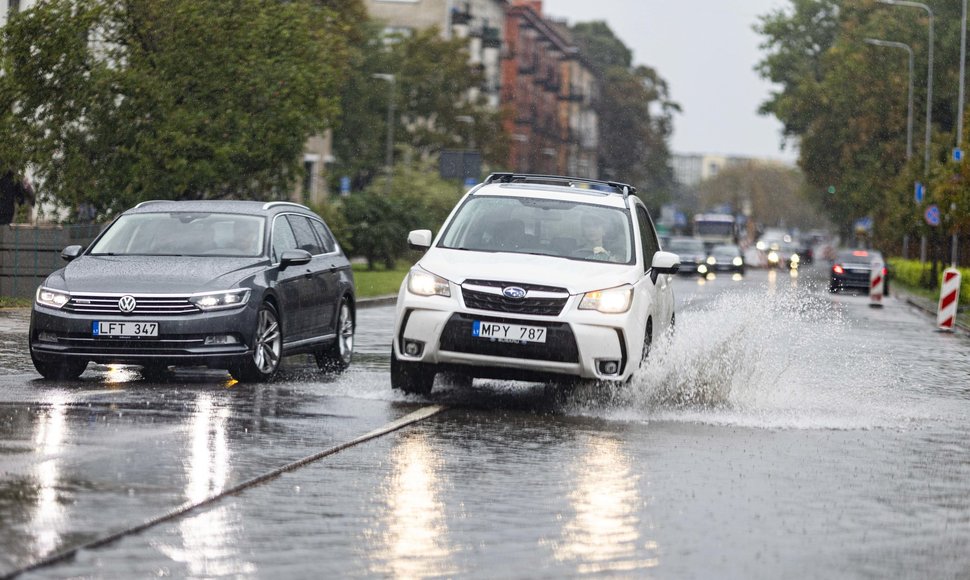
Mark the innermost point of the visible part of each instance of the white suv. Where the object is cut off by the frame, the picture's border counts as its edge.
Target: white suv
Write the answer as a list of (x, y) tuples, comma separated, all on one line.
[(534, 277)]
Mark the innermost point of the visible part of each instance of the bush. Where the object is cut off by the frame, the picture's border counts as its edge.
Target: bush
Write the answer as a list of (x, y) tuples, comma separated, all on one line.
[(917, 275)]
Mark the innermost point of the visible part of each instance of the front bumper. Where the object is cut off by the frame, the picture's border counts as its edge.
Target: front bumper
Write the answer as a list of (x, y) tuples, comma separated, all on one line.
[(55, 335), (579, 343)]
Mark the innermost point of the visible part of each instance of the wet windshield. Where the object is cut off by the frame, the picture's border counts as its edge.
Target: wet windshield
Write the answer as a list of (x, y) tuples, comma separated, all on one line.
[(541, 226), (183, 234)]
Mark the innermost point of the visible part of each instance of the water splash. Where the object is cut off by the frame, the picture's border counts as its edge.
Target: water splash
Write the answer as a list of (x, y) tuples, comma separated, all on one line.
[(758, 359)]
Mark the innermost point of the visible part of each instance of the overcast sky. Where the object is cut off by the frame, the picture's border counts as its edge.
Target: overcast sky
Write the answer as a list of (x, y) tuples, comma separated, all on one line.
[(706, 50)]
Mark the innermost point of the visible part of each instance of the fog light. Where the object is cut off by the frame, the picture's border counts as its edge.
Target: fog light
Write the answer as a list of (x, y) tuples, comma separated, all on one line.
[(47, 337), (217, 339), (413, 347), (608, 367)]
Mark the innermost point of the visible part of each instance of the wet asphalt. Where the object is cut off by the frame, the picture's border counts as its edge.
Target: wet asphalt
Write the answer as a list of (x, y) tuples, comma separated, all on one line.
[(781, 431)]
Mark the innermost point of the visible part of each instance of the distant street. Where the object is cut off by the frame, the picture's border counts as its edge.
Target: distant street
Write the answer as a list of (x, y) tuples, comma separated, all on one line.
[(781, 432)]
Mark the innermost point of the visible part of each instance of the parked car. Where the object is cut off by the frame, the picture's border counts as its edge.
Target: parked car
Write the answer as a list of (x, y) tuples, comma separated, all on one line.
[(725, 258), (852, 269), (691, 251), (534, 278), (227, 284)]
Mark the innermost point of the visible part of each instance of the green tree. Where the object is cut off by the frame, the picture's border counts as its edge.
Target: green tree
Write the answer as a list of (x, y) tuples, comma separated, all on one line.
[(635, 114), (378, 222), (844, 103), (433, 104), (116, 102)]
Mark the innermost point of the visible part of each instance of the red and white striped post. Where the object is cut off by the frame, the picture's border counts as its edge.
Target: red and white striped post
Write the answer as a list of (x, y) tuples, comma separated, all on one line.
[(946, 315), (877, 283)]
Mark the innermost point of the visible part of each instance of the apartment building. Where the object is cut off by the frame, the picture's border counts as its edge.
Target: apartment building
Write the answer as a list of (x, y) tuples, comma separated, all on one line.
[(550, 92)]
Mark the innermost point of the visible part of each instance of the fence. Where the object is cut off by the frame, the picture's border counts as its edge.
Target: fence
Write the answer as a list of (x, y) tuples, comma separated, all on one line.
[(29, 253)]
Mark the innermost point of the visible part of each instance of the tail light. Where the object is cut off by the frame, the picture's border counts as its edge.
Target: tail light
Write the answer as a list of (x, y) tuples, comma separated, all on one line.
[(838, 269)]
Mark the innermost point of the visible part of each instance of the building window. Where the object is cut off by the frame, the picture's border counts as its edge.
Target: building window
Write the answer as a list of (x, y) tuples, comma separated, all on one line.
[(13, 6)]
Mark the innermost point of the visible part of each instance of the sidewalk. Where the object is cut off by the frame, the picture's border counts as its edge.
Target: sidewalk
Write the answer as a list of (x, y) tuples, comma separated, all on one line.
[(930, 307)]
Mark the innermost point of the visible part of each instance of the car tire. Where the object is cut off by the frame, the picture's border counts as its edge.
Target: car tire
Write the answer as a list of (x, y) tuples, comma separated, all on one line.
[(336, 357), (64, 369), (647, 341), (411, 377), (267, 348)]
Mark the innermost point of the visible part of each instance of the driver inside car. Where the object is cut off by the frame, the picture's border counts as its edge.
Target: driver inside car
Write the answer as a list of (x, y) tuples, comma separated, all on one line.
[(592, 245)]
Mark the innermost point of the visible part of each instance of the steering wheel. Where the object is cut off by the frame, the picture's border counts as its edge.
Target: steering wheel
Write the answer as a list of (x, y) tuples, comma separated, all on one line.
[(588, 254)]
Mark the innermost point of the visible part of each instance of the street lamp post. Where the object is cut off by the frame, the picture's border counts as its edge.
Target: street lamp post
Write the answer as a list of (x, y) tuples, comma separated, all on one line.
[(909, 115), (929, 94), (929, 75), (389, 153)]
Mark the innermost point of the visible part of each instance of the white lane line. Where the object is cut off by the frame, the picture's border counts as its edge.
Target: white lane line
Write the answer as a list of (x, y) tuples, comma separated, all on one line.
[(413, 417)]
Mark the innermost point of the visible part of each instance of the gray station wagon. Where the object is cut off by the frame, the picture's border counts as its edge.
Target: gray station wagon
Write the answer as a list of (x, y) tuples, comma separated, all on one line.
[(226, 284)]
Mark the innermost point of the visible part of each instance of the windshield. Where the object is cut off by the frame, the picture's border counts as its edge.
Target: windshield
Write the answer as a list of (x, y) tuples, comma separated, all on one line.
[(544, 227), (686, 245), (183, 234), (714, 228), (725, 251)]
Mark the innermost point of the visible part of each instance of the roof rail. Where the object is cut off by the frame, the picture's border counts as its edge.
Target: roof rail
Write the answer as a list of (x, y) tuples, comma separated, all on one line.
[(151, 201), (270, 204), (617, 187)]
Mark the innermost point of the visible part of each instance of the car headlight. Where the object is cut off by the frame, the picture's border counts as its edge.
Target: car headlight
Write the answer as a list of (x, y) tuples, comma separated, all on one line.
[(795, 258), (221, 300), (737, 261), (425, 283), (711, 260), (52, 298), (772, 256), (612, 301)]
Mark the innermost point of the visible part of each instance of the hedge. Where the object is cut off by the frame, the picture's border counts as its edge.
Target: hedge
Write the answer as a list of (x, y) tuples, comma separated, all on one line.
[(916, 274)]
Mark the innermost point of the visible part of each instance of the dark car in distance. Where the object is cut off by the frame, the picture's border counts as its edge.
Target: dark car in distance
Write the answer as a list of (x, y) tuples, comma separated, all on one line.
[(851, 270), (226, 284), (725, 258)]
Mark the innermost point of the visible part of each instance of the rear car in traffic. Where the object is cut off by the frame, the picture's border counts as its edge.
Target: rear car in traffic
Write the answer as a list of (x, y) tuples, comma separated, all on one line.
[(225, 284), (691, 252), (851, 270), (534, 278)]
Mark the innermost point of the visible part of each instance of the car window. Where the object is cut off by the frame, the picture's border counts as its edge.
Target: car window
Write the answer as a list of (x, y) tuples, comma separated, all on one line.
[(548, 227), (329, 244), (648, 237), (305, 238), (183, 234), (283, 238)]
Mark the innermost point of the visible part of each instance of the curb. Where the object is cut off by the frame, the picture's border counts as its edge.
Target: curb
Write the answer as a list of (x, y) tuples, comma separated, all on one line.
[(920, 304), (377, 301)]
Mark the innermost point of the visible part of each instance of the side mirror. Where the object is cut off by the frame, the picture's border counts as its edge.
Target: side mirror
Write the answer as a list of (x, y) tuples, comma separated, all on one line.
[(419, 239), (664, 263), (71, 252), (294, 258)]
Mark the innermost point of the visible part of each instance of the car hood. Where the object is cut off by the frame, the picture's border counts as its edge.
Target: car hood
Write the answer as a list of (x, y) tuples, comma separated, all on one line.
[(152, 274), (576, 276)]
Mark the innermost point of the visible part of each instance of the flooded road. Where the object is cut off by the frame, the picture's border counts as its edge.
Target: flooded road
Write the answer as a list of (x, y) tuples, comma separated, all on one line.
[(781, 431)]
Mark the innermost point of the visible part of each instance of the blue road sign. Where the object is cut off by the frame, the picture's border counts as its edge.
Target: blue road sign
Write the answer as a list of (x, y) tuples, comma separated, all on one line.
[(957, 154), (344, 185), (932, 215), (919, 192)]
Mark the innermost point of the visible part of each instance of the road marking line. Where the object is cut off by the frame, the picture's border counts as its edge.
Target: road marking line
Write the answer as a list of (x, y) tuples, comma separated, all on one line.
[(413, 417)]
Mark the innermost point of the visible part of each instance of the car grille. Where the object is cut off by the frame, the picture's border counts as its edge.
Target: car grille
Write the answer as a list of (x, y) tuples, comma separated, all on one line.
[(145, 304), (560, 345), (539, 300)]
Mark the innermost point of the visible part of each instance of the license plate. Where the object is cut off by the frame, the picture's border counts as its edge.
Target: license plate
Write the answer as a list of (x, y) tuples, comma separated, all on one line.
[(124, 328), (508, 332)]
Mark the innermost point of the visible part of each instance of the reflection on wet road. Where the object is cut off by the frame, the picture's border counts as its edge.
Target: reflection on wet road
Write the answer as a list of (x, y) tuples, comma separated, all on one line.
[(781, 431)]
